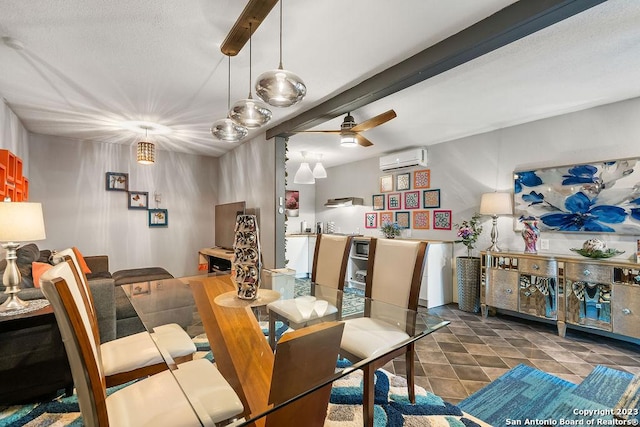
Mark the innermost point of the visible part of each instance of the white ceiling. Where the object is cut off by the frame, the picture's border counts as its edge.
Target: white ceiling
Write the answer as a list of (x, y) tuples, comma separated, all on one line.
[(89, 65)]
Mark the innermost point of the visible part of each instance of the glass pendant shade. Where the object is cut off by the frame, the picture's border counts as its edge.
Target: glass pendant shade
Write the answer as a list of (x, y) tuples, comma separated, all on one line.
[(146, 153), (280, 88), (319, 171), (304, 175), (229, 131), (250, 113)]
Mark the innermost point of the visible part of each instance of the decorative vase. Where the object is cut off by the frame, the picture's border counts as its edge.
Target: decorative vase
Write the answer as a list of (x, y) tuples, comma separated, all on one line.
[(247, 259), (468, 275), (530, 234), (390, 236)]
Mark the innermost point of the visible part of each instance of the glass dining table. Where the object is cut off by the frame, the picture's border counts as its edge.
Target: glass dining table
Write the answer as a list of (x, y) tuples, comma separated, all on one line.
[(237, 332)]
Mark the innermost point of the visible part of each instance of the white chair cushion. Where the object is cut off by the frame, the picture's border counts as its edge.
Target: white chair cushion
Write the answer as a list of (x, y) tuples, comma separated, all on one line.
[(155, 401), (129, 353), (302, 309), (366, 337), (172, 338), (208, 390)]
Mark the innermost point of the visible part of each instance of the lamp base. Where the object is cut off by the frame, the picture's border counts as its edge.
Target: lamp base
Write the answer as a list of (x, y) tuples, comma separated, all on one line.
[(493, 248), (13, 303)]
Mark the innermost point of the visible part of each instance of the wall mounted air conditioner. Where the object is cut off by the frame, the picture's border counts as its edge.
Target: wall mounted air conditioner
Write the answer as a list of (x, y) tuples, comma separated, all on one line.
[(404, 159)]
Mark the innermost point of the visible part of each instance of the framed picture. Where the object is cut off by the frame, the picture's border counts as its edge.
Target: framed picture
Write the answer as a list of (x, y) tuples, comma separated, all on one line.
[(430, 199), (138, 200), (292, 203), (422, 178), (158, 218), (371, 220), (412, 200), (386, 218), (421, 220), (377, 201), (117, 181), (442, 220), (394, 201), (596, 197), (386, 183), (403, 181), (403, 219)]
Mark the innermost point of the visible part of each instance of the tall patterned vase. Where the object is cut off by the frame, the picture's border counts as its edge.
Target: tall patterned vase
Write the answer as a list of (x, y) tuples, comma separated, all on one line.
[(530, 234), (468, 275), (247, 260)]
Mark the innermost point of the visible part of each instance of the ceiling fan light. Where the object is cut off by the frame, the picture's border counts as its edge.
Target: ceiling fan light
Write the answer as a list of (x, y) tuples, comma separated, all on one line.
[(229, 131), (348, 140), (304, 175), (250, 113), (319, 171), (146, 153), (280, 88)]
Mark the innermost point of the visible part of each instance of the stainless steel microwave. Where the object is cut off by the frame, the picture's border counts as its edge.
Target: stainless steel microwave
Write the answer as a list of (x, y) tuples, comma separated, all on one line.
[(361, 247)]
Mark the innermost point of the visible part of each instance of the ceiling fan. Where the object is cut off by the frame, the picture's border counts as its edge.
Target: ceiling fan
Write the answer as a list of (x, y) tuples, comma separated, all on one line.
[(350, 130)]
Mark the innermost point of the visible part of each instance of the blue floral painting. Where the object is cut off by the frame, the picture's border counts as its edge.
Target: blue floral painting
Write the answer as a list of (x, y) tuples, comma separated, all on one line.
[(601, 197)]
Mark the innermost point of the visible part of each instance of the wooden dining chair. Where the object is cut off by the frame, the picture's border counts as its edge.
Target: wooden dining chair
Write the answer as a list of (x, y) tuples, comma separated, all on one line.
[(329, 269), (394, 275), (134, 356), (157, 400)]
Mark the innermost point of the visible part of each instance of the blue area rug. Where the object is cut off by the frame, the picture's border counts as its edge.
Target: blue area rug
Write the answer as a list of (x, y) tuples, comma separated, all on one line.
[(525, 394)]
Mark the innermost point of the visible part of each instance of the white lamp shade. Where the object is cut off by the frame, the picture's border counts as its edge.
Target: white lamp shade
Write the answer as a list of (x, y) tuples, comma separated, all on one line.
[(348, 139), (319, 171), (21, 222), (496, 204), (304, 175)]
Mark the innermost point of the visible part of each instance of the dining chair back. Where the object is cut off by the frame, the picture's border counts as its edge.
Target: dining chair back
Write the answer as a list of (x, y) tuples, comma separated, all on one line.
[(330, 258)]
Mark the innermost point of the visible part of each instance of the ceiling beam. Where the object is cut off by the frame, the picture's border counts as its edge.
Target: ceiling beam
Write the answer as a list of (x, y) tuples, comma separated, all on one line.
[(512, 23), (249, 20)]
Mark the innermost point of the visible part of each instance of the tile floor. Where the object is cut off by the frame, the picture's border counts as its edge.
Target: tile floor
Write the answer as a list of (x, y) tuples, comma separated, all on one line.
[(463, 357)]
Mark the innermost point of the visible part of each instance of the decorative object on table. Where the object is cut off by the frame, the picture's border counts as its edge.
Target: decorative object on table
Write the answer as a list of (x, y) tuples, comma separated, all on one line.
[(158, 218), (403, 219), (377, 201), (468, 268), (138, 200), (371, 220), (421, 220), (386, 183), (422, 179), (430, 199), (412, 200), (495, 204), (597, 197), (292, 203), (19, 222), (403, 181), (247, 259), (390, 229), (394, 201), (530, 234), (596, 248), (442, 220), (117, 181)]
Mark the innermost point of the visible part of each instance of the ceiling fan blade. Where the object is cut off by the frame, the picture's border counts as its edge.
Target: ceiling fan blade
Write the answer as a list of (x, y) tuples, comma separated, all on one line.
[(363, 141), (375, 121)]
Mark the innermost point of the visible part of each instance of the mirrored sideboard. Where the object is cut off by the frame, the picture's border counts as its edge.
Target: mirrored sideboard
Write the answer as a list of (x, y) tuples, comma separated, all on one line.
[(600, 295)]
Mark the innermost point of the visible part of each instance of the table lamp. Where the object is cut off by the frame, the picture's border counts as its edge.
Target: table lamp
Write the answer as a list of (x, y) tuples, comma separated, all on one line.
[(495, 204), (19, 222)]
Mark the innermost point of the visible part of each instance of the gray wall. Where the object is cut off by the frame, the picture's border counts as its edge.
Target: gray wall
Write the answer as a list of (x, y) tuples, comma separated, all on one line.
[(464, 169)]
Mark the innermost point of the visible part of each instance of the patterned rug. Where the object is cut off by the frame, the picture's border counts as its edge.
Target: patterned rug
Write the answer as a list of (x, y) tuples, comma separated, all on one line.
[(527, 395)]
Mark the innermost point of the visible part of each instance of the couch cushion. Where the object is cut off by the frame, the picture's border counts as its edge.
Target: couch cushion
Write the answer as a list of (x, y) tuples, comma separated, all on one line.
[(83, 264), (37, 269), (124, 277), (99, 275)]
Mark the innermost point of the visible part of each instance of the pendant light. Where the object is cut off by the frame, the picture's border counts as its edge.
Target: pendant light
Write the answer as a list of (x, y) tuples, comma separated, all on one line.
[(318, 170), (280, 88), (250, 112), (146, 152), (226, 129), (304, 175)]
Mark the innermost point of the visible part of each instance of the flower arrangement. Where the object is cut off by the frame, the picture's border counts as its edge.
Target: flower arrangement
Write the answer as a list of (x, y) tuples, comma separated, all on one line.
[(390, 229), (468, 231)]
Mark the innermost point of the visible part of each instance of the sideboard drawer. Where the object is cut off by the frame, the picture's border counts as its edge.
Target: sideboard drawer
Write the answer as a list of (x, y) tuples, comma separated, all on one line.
[(625, 308), (542, 267), (503, 292), (587, 272)]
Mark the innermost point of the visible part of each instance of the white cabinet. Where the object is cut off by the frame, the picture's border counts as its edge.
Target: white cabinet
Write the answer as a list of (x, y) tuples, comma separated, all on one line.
[(436, 289), (300, 254)]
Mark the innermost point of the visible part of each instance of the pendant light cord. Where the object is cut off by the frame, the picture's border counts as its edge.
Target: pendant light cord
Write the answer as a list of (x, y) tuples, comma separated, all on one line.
[(250, 34), (280, 66), (228, 83)]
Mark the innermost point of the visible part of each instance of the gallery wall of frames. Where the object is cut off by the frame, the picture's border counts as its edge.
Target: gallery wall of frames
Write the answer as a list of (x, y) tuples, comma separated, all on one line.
[(407, 199), (138, 200)]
